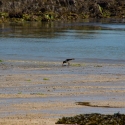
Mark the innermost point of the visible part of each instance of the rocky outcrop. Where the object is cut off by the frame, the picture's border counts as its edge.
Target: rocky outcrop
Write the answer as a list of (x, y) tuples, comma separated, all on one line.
[(45, 10), (94, 119)]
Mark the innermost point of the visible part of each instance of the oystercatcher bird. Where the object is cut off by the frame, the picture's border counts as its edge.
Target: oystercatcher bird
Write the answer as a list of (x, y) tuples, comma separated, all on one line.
[(67, 61)]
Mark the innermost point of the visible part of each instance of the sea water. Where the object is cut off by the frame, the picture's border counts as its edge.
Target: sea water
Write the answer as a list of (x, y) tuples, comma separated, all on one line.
[(91, 40)]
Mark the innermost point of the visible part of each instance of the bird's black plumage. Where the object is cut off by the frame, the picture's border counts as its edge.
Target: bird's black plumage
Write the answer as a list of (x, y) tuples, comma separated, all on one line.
[(67, 61)]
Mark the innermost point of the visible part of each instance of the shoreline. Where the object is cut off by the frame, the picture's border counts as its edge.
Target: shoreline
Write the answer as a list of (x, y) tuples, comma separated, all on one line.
[(60, 60), (37, 92)]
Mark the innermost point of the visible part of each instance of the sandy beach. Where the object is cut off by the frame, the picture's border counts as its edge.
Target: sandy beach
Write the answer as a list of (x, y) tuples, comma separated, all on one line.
[(39, 93)]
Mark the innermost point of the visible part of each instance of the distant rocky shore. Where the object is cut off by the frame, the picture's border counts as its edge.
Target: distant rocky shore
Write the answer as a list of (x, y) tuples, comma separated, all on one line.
[(51, 10)]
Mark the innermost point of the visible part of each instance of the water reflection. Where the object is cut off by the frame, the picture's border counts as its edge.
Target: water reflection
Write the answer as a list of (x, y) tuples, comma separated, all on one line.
[(52, 29), (82, 40)]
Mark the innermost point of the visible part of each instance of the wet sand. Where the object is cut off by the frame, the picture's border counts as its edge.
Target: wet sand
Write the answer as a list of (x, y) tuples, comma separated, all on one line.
[(38, 93)]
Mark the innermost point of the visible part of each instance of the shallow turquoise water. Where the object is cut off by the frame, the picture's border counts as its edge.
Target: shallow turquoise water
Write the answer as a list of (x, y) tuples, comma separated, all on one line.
[(89, 41)]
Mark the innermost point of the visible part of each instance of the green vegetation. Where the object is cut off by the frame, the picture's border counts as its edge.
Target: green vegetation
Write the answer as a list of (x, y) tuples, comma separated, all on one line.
[(100, 9), (45, 78), (83, 103), (26, 17), (76, 65), (4, 15), (106, 14), (36, 94), (48, 16), (28, 80), (39, 93), (1, 60), (19, 92)]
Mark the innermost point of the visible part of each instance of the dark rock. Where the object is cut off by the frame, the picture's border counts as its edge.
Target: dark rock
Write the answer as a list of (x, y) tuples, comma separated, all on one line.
[(1, 3)]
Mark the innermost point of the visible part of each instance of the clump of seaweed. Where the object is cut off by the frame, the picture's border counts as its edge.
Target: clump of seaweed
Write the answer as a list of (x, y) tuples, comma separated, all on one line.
[(45, 78), (94, 119), (97, 66), (37, 94), (1, 60), (28, 80), (20, 92), (92, 105), (76, 65)]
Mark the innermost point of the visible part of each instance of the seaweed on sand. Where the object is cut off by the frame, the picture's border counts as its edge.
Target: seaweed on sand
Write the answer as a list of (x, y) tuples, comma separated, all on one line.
[(94, 119)]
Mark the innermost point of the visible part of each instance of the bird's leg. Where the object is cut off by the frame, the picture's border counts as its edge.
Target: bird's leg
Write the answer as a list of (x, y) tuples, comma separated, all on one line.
[(68, 64), (62, 64)]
